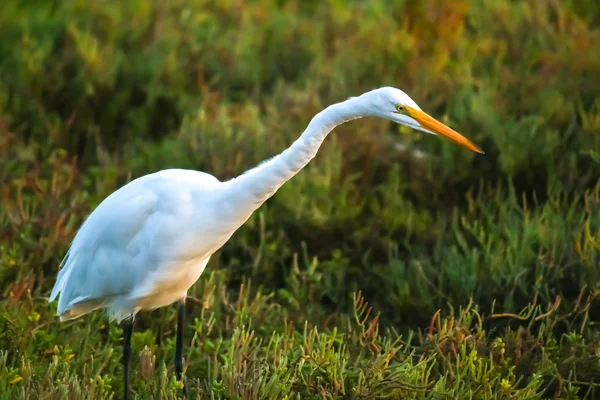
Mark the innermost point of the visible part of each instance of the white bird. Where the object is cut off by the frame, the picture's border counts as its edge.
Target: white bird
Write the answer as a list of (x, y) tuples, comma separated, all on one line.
[(148, 242)]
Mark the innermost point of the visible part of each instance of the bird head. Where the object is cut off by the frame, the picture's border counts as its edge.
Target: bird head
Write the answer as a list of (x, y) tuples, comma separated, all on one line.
[(395, 105)]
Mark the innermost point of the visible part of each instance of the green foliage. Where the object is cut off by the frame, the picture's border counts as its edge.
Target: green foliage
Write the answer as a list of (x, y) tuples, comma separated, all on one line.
[(484, 270)]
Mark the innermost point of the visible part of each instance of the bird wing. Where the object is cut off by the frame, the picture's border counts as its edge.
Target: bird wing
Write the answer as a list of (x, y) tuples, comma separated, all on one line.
[(147, 234), (112, 246)]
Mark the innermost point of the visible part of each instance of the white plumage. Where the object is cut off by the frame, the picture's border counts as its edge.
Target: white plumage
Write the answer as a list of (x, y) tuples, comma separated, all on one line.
[(147, 243), (143, 246)]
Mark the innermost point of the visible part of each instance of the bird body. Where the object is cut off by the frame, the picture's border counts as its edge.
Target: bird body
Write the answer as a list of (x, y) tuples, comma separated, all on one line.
[(147, 243), (144, 245)]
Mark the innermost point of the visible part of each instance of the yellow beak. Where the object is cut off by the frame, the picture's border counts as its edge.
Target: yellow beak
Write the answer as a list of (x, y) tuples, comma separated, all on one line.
[(437, 127)]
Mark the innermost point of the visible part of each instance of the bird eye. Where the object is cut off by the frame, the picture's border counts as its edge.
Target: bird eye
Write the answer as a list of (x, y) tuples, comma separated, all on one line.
[(399, 108)]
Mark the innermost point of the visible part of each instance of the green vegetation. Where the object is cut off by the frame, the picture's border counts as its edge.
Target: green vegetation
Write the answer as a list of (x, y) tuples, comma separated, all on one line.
[(483, 271)]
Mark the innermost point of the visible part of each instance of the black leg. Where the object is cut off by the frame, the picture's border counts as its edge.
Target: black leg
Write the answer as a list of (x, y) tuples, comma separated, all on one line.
[(127, 329), (179, 343)]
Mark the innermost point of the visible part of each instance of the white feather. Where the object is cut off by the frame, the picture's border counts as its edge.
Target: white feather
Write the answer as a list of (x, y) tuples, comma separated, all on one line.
[(147, 243)]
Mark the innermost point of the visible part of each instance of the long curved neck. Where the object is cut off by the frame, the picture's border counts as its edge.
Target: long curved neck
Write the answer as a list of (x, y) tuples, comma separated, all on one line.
[(255, 186)]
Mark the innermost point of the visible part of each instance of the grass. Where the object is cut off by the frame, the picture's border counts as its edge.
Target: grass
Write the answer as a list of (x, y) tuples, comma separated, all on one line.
[(396, 265)]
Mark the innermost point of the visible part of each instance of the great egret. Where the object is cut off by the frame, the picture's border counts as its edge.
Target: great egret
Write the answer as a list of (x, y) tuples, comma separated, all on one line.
[(148, 242)]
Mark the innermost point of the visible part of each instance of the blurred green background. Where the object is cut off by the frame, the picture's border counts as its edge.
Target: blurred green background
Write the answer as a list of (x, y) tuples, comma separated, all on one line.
[(506, 245)]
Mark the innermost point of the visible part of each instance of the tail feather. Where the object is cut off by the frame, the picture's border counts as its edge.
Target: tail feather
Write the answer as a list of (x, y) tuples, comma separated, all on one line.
[(79, 308), (63, 276)]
